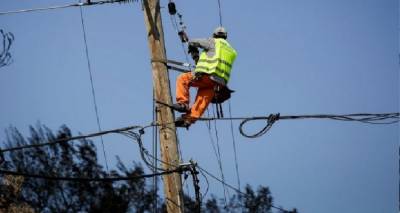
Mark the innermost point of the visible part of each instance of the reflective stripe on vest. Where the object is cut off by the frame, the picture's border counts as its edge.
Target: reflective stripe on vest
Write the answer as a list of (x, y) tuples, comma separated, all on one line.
[(221, 63)]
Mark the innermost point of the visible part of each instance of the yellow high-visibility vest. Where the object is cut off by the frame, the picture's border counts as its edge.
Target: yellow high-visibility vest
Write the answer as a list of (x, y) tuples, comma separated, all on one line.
[(221, 63)]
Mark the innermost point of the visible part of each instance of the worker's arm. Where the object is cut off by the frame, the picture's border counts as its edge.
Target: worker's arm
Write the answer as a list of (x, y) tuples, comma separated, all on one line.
[(206, 44)]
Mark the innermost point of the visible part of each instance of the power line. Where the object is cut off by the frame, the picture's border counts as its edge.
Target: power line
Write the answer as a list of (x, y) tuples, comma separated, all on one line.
[(384, 118), (235, 189), (64, 140), (368, 118), (234, 146), (88, 3), (220, 159), (84, 179), (217, 153), (220, 12), (92, 85)]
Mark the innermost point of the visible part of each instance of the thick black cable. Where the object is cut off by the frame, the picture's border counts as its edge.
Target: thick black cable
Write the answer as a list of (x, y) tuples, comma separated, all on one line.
[(64, 140), (207, 183), (64, 6), (360, 117), (137, 137), (92, 85), (235, 189), (84, 179)]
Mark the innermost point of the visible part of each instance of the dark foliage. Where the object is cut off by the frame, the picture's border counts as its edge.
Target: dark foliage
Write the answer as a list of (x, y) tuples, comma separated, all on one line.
[(79, 159), (5, 55), (74, 159)]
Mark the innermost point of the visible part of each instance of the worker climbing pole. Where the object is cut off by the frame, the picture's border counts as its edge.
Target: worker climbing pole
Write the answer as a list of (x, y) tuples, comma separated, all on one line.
[(211, 76)]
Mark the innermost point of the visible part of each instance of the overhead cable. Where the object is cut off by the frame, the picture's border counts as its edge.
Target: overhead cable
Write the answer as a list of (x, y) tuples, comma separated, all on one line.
[(84, 179), (215, 147), (384, 118), (88, 3), (369, 118), (64, 140), (234, 146), (92, 85), (220, 13)]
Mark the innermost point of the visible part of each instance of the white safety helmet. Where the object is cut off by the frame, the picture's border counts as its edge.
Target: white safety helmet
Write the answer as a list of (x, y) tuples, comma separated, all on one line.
[(220, 32)]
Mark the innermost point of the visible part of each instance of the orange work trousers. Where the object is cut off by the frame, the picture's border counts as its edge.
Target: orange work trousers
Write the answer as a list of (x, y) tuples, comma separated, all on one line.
[(205, 93)]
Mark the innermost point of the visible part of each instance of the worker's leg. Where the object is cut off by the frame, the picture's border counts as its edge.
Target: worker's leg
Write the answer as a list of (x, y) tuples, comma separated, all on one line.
[(204, 96), (203, 99), (182, 88)]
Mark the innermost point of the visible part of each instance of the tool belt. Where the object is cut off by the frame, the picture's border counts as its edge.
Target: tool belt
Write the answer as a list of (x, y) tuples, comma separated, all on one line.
[(222, 93)]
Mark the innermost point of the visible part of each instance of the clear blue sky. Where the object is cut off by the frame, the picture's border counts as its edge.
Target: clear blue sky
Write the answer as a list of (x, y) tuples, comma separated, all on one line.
[(294, 57)]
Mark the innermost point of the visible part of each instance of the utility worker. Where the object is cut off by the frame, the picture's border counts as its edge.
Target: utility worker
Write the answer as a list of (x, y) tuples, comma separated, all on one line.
[(213, 69)]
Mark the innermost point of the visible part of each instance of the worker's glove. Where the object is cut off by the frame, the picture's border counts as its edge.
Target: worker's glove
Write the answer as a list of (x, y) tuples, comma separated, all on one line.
[(194, 52), (192, 49), (183, 36)]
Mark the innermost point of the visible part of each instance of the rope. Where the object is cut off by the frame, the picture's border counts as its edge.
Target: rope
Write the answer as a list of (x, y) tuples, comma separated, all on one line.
[(64, 6), (84, 179), (92, 86)]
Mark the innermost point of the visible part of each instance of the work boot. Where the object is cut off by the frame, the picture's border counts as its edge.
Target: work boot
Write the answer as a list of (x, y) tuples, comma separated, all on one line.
[(180, 107), (182, 122)]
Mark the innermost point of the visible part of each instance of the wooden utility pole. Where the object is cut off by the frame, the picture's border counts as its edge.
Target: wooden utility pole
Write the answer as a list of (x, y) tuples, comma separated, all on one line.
[(165, 117)]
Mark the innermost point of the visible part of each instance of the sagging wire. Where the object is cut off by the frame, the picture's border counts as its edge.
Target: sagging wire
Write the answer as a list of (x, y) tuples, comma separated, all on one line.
[(234, 146), (5, 55), (216, 151), (84, 179), (369, 118), (144, 153), (383, 118), (239, 191), (87, 3), (226, 192), (65, 140), (96, 109)]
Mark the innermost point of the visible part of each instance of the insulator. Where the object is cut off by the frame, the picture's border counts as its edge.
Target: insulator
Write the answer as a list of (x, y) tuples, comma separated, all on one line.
[(171, 8)]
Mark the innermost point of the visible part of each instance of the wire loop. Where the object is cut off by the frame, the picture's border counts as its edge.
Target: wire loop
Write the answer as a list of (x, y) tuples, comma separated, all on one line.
[(270, 121)]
